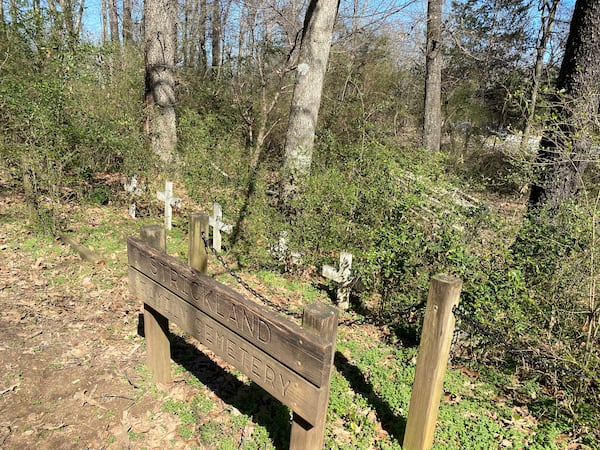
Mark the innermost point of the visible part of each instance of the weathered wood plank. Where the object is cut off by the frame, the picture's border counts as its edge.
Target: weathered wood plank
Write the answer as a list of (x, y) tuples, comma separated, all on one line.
[(280, 381), (302, 351)]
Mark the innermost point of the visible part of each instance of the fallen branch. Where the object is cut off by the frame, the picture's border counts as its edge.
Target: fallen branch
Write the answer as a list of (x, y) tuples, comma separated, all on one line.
[(84, 252), (9, 389)]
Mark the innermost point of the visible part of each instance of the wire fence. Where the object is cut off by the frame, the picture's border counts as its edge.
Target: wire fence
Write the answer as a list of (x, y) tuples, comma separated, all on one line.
[(466, 324)]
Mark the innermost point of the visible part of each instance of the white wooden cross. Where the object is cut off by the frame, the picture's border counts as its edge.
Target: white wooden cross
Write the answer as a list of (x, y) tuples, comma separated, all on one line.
[(216, 221), (170, 201), (343, 277), (134, 191)]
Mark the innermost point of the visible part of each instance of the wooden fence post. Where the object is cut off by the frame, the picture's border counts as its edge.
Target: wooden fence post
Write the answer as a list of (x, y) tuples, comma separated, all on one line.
[(197, 256), (156, 326), (436, 338), (322, 320)]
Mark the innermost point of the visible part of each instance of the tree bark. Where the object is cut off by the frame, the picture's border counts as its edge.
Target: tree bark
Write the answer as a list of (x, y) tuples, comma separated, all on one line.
[(160, 29), (201, 50), (216, 36), (127, 24), (114, 21), (103, 7), (306, 99), (566, 148), (432, 117)]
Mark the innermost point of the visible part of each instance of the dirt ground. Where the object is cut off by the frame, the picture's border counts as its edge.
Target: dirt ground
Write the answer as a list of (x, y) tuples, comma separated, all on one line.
[(72, 372)]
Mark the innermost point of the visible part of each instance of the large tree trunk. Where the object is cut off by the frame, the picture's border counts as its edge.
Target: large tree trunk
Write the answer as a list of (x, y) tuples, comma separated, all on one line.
[(306, 99), (432, 117), (160, 29), (566, 148)]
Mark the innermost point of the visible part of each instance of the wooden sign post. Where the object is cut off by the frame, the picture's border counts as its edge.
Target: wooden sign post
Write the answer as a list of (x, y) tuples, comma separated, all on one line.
[(343, 277), (216, 222), (170, 201), (436, 338), (291, 362), (156, 326)]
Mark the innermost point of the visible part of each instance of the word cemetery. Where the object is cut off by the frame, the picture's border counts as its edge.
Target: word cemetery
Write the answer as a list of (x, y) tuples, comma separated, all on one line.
[(291, 362)]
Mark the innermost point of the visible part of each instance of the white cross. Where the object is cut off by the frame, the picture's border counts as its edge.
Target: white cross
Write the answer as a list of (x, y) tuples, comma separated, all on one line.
[(218, 225), (343, 277), (170, 201), (133, 189)]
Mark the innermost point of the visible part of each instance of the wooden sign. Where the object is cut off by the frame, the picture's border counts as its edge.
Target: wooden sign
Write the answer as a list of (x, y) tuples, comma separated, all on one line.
[(290, 362)]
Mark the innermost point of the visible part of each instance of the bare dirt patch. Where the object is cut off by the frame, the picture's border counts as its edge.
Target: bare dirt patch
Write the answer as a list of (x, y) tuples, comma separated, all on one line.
[(72, 361)]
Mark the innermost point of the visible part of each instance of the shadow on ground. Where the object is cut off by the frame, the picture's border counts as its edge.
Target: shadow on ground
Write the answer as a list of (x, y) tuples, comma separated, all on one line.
[(390, 422), (249, 399)]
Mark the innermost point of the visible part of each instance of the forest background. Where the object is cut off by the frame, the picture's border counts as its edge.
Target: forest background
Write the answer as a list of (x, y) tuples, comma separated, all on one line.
[(73, 106)]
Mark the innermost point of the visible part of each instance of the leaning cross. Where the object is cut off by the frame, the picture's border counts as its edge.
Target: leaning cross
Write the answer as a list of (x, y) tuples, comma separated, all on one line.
[(170, 201), (343, 277), (216, 221)]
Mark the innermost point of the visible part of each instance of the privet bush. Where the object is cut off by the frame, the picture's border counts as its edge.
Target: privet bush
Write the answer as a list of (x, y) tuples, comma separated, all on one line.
[(64, 118)]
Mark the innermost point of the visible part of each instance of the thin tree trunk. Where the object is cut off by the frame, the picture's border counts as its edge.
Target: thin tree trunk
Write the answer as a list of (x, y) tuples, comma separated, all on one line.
[(14, 13), (127, 24), (114, 21), (187, 33), (306, 99), (432, 123), (104, 9), (79, 19), (545, 33), (201, 58), (216, 36)]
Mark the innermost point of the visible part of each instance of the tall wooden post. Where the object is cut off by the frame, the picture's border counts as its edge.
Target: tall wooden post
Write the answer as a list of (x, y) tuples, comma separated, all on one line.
[(156, 326), (322, 320), (197, 256), (436, 338)]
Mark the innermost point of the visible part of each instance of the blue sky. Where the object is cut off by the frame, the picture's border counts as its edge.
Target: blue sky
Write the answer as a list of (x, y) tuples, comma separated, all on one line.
[(93, 29)]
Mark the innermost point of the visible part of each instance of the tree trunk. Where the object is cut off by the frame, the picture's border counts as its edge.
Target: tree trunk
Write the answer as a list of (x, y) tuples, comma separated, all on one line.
[(432, 117), (566, 148), (127, 24), (187, 28), (306, 99), (216, 36), (547, 22), (201, 56), (160, 29), (103, 7), (114, 21)]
